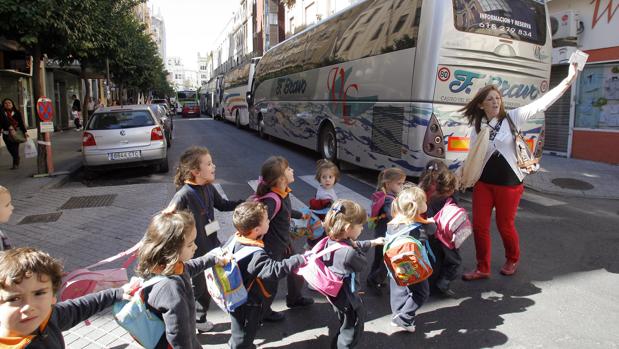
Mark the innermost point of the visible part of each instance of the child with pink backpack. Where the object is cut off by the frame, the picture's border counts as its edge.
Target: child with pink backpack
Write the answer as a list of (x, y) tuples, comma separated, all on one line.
[(343, 257), (440, 185), (390, 183)]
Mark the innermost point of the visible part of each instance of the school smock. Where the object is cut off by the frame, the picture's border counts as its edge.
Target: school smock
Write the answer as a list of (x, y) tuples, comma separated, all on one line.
[(172, 299), (63, 317), (504, 141), (278, 240)]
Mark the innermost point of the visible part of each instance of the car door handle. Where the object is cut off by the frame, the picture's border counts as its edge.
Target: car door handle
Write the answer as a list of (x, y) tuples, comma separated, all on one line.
[(124, 142)]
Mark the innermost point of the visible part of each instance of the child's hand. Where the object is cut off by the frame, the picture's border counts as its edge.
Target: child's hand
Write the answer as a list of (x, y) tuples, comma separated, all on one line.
[(130, 287), (223, 258), (306, 216), (430, 220), (378, 242)]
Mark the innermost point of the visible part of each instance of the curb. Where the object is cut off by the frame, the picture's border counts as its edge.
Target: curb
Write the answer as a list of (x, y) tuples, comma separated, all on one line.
[(60, 180), (570, 194)]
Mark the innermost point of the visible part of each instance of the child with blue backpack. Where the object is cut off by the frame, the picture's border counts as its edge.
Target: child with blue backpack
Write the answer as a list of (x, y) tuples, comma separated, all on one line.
[(167, 250), (252, 222), (194, 180), (407, 209), (390, 182), (343, 225)]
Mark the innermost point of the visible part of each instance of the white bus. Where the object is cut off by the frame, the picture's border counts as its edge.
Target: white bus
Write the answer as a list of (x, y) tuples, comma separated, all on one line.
[(379, 83), (237, 83)]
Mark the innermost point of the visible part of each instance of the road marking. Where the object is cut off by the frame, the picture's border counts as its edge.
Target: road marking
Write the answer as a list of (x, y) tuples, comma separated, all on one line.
[(541, 200)]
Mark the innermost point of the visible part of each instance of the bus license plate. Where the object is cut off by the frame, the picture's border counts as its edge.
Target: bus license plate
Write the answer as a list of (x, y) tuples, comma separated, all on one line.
[(124, 155)]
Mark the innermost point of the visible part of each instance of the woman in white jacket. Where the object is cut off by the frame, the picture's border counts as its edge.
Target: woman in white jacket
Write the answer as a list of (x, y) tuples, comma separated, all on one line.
[(500, 184)]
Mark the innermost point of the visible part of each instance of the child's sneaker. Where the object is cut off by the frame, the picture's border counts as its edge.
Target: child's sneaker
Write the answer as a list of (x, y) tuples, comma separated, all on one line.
[(204, 326), (443, 286), (410, 328)]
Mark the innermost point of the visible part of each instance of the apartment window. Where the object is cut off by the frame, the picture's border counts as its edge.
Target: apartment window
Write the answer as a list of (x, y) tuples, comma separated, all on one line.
[(377, 33)]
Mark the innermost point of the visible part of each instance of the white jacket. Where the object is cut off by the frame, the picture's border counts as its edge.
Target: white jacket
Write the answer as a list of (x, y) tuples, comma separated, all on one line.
[(504, 140)]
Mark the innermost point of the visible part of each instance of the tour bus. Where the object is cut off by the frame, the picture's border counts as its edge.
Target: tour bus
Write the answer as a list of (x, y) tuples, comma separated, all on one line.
[(380, 84), (237, 83), (213, 96)]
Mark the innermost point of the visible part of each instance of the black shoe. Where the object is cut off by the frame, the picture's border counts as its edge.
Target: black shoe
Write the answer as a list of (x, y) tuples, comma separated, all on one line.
[(447, 291), (274, 316), (301, 302)]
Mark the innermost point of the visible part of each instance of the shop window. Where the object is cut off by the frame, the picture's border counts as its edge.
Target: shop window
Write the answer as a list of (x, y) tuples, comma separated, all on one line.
[(598, 97)]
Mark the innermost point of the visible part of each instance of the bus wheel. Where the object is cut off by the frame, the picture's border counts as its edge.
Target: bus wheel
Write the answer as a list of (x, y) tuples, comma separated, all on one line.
[(237, 120), (328, 144)]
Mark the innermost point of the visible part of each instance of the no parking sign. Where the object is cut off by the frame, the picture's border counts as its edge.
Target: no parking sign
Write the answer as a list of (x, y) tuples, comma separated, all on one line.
[(44, 109)]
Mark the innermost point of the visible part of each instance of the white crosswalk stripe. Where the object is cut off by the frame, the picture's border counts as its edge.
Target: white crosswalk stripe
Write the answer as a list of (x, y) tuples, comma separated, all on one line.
[(541, 200)]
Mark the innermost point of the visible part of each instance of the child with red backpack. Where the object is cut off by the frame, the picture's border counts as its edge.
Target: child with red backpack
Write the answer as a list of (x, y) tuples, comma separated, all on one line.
[(406, 233), (344, 224), (440, 185), (390, 182)]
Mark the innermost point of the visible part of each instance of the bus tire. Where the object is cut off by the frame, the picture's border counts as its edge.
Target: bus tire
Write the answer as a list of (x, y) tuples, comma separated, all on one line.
[(237, 120), (327, 146)]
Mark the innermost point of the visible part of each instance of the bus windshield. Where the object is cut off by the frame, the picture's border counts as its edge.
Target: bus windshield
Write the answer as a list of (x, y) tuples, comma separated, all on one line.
[(523, 20), (187, 95)]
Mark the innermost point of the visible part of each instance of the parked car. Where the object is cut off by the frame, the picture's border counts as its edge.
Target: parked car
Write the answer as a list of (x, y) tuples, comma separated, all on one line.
[(162, 116), (191, 108), (124, 136)]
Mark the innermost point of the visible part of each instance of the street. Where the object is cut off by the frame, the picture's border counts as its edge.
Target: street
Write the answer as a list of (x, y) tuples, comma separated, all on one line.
[(565, 293)]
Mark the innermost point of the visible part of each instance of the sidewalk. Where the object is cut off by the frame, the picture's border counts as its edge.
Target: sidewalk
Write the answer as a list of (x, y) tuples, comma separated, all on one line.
[(67, 157), (575, 178)]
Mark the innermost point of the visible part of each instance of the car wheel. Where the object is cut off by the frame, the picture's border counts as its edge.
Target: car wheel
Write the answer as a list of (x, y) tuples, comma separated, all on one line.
[(237, 120), (328, 143), (163, 166), (168, 140)]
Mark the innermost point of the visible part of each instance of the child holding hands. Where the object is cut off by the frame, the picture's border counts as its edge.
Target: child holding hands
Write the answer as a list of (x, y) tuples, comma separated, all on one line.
[(6, 210)]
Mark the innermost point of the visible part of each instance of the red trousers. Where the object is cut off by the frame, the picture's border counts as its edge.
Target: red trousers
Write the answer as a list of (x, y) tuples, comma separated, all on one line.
[(505, 199)]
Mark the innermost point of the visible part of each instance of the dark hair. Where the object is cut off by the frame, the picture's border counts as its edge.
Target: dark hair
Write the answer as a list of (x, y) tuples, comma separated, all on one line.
[(472, 111), (326, 165), (190, 160), (272, 170), (20, 263), (248, 215), (430, 174), (14, 106)]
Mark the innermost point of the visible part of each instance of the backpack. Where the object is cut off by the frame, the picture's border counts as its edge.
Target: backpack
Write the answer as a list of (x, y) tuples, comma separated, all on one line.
[(317, 274), (133, 315), (225, 284), (83, 281), (310, 228), (378, 201), (272, 195), (406, 258), (452, 225)]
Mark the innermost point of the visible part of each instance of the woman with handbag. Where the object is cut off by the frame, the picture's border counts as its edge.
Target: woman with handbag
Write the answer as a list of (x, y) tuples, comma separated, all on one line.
[(500, 167), (13, 129)]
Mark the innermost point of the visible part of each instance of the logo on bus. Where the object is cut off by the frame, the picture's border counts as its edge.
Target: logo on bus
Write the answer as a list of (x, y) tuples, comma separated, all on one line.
[(444, 74), (339, 88), (464, 81)]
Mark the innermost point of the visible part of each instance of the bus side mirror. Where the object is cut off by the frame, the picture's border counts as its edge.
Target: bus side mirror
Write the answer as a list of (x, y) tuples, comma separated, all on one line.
[(249, 98)]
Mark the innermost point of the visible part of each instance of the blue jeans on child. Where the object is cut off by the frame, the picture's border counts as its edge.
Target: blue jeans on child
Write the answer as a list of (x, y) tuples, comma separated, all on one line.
[(405, 300)]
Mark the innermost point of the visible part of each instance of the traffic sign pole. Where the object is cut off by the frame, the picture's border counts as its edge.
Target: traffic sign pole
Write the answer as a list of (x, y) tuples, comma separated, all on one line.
[(45, 112)]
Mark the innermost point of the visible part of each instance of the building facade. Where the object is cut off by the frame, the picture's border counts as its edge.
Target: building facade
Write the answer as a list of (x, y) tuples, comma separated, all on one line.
[(159, 35), (307, 12), (584, 124)]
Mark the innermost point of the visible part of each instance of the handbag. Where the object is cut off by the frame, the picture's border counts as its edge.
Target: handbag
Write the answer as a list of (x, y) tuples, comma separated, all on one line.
[(526, 161), (468, 174), (17, 136)]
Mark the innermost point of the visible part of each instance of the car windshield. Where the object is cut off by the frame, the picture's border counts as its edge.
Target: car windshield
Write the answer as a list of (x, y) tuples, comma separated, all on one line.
[(120, 119)]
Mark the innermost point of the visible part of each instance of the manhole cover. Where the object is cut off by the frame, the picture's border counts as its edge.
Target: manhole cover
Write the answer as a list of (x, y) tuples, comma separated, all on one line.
[(41, 218), (88, 201), (571, 183)]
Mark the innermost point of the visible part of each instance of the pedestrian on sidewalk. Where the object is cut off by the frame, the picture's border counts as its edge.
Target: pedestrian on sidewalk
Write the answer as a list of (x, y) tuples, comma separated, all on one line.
[(13, 129), (76, 110), (6, 210), (500, 183), (194, 180)]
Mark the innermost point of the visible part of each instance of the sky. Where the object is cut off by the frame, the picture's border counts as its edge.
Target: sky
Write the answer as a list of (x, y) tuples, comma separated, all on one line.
[(192, 26)]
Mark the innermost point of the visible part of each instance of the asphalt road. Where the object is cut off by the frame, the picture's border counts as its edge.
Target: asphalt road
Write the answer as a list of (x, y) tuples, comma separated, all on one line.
[(565, 294)]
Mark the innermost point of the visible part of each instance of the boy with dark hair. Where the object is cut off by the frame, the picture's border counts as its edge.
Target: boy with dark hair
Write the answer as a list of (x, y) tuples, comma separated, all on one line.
[(29, 315), (252, 223)]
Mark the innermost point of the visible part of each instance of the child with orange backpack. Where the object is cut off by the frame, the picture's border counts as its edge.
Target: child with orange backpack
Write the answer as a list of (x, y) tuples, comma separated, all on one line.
[(390, 182), (406, 257)]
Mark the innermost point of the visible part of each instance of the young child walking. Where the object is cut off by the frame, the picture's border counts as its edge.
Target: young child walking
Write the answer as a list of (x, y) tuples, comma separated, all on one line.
[(276, 176), (6, 210), (30, 316), (390, 183), (194, 180), (344, 224), (252, 222), (327, 175), (440, 185), (406, 300), (167, 250)]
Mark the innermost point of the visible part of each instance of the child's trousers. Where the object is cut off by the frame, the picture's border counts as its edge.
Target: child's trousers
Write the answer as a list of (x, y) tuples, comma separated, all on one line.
[(351, 327), (405, 300), (244, 321), (448, 261), (378, 273)]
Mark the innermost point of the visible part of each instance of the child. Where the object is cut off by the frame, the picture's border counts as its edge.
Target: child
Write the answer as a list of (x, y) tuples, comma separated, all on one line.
[(440, 184), (252, 222), (195, 176), (406, 300), (275, 177), (6, 210), (327, 174), (390, 182), (167, 249), (29, 314), (343, 224)]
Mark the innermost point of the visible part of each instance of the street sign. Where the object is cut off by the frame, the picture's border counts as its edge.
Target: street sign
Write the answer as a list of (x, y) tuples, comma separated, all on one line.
[(44, 109), (47, 126)]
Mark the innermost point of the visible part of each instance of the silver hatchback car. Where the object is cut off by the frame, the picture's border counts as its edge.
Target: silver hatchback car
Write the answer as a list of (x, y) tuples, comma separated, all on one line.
[(124, 136)]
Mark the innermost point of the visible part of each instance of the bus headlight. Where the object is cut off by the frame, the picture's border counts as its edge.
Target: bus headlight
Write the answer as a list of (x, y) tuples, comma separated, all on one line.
[(433, 140)]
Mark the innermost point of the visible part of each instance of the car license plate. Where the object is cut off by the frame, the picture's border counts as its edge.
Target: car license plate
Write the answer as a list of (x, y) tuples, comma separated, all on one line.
[(124, 155)]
